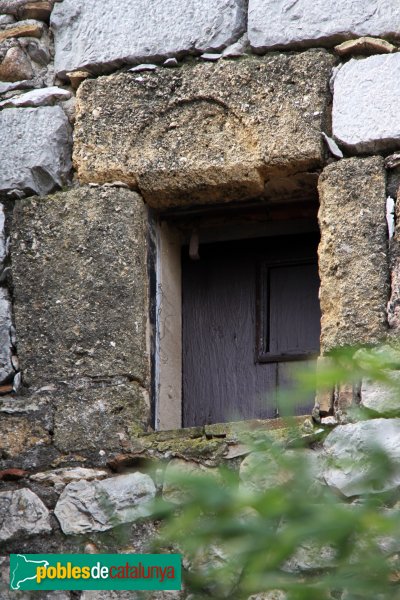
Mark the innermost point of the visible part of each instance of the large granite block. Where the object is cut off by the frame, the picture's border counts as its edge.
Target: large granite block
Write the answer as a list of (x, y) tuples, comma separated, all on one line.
[(80, 277), (35, 149), (301, 23), (353, 253), (205, 133), (366, 104), (101, 36)]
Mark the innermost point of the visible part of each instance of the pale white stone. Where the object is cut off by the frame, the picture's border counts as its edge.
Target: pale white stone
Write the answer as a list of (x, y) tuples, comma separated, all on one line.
[(390, 212), (61, 477), (17, 85), (42, 97), (3, 244), (280, 23), (211, 56), (6, 368), (22, 514), (143, 67), (382, 399), (86, 506), (349, 449), (103, 35), (238, 48), (366, 104), (332, 146), (35, 149)]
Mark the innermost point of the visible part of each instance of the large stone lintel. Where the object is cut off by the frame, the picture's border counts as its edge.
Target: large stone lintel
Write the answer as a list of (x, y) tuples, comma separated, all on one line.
[(205, 133)]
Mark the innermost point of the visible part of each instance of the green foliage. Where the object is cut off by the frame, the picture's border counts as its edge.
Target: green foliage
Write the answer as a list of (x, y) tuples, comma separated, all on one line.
[(280, 527)]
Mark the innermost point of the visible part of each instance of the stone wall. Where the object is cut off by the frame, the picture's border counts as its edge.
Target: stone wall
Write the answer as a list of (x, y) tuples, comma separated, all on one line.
[(108, 108)]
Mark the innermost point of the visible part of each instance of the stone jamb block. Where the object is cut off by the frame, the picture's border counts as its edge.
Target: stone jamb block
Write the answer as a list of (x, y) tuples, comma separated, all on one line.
[(353, 253), (79, 262)]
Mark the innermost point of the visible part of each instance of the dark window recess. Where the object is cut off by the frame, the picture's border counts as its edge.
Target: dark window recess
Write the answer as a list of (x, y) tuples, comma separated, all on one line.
[(288, 316), (250, 309)]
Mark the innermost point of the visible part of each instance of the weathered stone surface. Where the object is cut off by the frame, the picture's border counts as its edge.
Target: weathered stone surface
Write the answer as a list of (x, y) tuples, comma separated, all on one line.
[(6, 368), (11, 405), (175, 491), (380, 398), (99, 418), (36, 10), (35, 98), (279, 23), (353, 259), (365, 45), (393, 161), (349, 449), (366, 103), (261, 471), (29, 28), (204, 133), (102, 37), (11, 86), (76, 78), (19, 434), (15, 65), (35, 149), (16, 7), (6, 20), (238, 48), (61, 477), (309, 557), (22, 513), (80, 277), (100, 505)]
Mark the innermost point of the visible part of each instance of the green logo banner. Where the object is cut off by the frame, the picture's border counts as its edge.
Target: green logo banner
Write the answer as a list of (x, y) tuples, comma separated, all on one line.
[(95, 572)]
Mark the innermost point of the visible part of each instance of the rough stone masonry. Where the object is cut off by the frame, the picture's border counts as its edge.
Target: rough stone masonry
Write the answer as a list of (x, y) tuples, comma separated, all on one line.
[(110, 109)]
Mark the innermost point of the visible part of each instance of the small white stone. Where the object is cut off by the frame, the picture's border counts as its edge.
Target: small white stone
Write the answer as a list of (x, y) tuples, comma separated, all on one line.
[(170, 62), (211, 57), (35, 98), (144, 67), (332, 146)]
